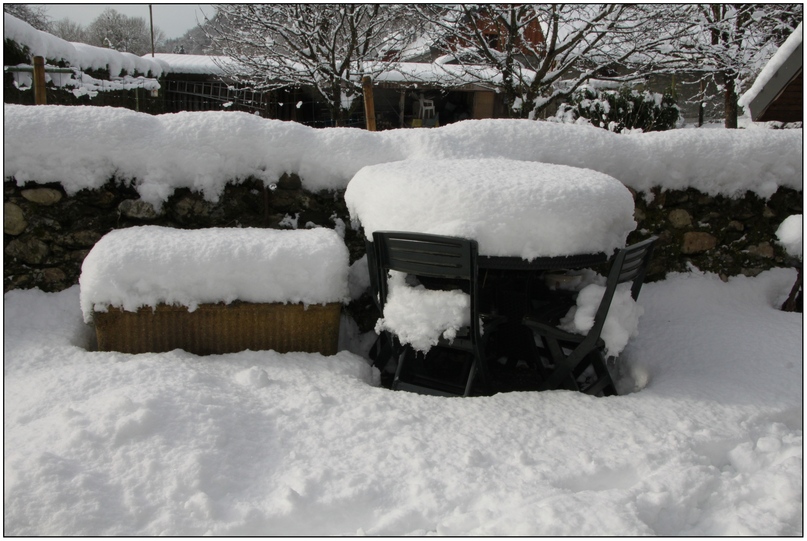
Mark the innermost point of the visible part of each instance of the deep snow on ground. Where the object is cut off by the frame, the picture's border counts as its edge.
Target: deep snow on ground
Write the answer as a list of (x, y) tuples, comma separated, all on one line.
[(710, 442)]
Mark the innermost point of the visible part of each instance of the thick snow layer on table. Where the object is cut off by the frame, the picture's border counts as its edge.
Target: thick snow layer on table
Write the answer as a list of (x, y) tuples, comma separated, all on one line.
[(78, 55), (144, 266), (711, 443), (773, 65), (511, 208), (790, 235), (83, 147)]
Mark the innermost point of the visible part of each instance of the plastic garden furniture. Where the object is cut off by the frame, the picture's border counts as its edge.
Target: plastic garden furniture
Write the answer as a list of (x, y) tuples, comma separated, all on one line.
[(579, 357), (442, 258)]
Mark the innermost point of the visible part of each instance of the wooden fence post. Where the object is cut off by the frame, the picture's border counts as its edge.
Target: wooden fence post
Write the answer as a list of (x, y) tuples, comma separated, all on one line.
[(369, 105), (40, 97)]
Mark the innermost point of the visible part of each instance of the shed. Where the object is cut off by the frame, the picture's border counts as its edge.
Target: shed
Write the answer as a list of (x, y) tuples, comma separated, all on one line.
[(777, 93)]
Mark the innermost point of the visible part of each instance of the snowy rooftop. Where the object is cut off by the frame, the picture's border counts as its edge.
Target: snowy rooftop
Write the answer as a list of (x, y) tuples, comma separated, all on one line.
[(773, 66), (510, 207), (192, 63), (78, 55), (144, 266), (417, 72), (203, 151), (439, 73)]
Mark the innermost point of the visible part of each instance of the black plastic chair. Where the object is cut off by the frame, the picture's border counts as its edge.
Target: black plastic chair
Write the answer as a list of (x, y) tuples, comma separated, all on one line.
[(579, 361), (386, 346), (444, 258)]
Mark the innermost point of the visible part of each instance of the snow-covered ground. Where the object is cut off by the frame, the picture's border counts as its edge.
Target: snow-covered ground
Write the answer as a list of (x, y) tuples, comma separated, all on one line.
[(705, 439), (710, 442)]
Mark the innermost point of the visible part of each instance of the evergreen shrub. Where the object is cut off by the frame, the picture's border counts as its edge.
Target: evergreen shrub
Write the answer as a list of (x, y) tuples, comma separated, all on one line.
[(620, 110)]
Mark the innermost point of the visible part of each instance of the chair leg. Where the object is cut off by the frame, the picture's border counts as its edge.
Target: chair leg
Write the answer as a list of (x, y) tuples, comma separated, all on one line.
[(471, 376), (402, 356)]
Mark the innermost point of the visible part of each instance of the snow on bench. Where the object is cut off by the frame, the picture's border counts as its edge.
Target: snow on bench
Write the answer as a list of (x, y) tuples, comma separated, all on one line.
[(278, 277)]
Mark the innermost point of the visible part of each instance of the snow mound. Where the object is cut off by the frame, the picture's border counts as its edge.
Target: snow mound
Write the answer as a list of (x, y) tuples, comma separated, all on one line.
[(145, 266)]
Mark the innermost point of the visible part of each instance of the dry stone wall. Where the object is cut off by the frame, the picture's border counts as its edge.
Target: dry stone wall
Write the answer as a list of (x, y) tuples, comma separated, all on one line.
[(47, 234)]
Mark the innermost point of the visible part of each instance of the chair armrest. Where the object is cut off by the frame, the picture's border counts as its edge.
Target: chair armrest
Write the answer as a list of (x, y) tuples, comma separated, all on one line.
[(549, 330), (491, 321)]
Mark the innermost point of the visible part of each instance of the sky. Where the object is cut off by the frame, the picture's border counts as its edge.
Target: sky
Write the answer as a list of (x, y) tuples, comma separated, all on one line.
[(173, 19)]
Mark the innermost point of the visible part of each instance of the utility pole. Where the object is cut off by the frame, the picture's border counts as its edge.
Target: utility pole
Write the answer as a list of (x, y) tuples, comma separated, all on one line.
[(151, 23)]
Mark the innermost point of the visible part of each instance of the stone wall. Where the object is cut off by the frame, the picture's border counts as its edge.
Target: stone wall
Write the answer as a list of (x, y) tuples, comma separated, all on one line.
[(47, 234)]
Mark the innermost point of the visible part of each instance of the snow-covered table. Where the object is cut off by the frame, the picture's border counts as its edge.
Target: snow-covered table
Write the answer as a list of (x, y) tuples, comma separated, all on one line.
[(512, 208), (525, 216)]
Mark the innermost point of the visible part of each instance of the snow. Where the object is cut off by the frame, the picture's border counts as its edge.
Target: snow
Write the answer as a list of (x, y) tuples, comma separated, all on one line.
[(144, 266), (78, 55), (621, 323), (256, 443), (82, 83), (419, 316), (790, 235), (511, 207), (439, 73), (773, 65), (205, 150), (195, 64)]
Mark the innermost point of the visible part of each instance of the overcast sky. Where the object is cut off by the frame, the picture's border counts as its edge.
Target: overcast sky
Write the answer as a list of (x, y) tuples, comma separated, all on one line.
[(173, 19)]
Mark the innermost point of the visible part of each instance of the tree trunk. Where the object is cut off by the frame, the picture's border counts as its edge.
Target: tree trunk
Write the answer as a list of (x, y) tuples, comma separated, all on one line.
[(730, 101)]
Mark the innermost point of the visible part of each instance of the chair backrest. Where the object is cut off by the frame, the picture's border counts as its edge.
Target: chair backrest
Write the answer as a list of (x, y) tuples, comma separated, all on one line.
[(372, 268), (628, 265), (425, 106), (420, 254)]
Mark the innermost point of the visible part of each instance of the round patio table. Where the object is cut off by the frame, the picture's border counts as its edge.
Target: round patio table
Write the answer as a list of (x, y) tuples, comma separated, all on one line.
[(513, 209), (527, 218)]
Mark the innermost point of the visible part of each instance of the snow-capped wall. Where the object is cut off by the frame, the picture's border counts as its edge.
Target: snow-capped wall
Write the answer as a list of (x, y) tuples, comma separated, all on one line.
[(83, 147)]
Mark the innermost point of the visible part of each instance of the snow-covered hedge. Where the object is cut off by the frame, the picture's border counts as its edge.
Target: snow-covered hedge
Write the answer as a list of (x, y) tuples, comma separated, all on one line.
[(83, 147), (78, 55)]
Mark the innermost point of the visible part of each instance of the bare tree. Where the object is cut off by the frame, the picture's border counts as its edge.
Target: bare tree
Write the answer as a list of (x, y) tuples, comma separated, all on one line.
[(194, 41), (36, 16), (544, 51), (728, 44), (68, 30), (328, 47), (126, 34)]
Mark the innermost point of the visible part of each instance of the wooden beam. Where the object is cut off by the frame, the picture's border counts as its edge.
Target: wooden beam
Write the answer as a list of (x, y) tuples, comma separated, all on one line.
[(369, 104), (40, 97)]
